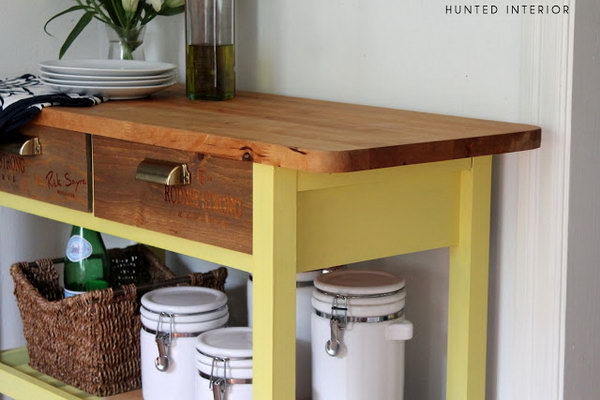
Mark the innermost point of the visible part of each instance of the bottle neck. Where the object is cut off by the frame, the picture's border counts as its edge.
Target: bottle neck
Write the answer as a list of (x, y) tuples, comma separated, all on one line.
[(85, 232)]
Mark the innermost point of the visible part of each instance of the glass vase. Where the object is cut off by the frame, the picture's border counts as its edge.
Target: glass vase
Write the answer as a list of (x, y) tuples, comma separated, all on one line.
[(125, 43)]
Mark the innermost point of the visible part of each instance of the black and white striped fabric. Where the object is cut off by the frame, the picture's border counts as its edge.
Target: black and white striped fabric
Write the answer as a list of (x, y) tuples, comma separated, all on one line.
[(22, 98)]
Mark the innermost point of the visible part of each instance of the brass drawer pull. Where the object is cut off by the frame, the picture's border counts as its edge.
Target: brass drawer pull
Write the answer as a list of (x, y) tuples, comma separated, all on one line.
[(163, 172), (22, 145)]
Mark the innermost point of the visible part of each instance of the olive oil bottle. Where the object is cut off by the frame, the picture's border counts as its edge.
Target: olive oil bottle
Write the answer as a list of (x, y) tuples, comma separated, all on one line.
[(210, 51), (210, 72)]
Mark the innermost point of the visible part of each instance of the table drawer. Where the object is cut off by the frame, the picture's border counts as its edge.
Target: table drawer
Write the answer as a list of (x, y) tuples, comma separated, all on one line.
[(47, 164), (215, 207)]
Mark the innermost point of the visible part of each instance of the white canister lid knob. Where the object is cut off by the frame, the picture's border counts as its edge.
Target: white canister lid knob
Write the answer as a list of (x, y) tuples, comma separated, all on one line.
[(359, 282), (183, 300)]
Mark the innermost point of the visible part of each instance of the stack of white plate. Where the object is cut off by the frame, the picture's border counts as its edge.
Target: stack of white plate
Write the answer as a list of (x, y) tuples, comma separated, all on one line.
[(113, 79)]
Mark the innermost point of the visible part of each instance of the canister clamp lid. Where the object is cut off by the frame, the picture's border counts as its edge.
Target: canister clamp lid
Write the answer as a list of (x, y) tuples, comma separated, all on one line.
[(172, 334), (218, 384), (382, 318), (351, 283), (231, 381), (229, 343), (186, 314), (224, 358), (359, 296), (183, 300)]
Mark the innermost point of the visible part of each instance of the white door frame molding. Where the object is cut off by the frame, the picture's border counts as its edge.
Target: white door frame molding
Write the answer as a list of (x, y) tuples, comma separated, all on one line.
[(528, 316)]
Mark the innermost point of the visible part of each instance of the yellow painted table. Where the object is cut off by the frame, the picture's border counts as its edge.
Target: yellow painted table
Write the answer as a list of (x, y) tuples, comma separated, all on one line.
[(300, 185)]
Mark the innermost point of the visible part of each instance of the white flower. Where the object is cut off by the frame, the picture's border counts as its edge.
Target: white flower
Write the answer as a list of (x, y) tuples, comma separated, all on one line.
[(156, 4), (130, 6), (174, 3)]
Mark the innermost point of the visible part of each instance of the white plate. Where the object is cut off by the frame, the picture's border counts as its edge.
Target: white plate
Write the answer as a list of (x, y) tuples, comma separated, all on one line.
[(53, 75), (98, 83), (113, 93), (106, 67)]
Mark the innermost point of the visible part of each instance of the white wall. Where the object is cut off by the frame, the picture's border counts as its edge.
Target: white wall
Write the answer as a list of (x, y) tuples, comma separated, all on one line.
[(391, 53), (23, 237), (405, 54), (23, 43)]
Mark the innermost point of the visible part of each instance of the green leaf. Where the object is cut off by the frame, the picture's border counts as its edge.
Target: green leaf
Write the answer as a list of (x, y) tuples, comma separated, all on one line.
[(107, 4), (149, 14), (68, 10), (83, 22), (171, 11), (138, 13)]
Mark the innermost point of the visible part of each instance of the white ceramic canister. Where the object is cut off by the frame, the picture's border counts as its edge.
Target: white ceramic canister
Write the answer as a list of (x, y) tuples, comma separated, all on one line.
[(224, 364), (358, 334), (172, 318), (304, 288)]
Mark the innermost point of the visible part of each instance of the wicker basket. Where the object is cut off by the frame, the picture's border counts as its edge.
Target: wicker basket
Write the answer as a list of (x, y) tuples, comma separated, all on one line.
[(91, 341)]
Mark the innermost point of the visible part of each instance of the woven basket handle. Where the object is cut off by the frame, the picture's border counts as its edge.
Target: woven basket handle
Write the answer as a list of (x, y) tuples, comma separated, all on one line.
[(214, 279), (41, 275)]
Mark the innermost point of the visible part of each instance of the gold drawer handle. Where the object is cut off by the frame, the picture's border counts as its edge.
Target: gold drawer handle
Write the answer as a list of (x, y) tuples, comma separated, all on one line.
[(22, 145), (163, 172)]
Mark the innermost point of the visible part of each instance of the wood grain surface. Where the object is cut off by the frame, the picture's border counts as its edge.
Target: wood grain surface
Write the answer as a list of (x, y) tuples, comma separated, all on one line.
[(296, 133), (216, 208), (133, 395), (60, 175)]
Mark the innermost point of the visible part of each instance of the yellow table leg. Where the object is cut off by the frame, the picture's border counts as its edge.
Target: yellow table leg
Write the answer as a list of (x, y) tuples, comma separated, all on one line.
[(274, 274), (467, 313)]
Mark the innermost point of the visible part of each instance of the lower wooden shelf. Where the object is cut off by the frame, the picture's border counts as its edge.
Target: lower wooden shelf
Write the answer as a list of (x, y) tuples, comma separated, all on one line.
[(19, 381)]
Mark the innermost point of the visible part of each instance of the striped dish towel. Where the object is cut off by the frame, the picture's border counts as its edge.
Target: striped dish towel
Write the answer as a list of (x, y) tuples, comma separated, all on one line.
[(22, 98)]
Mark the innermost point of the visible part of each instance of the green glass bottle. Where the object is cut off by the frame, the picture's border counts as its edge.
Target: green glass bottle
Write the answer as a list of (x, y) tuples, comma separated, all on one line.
[(86, 262)]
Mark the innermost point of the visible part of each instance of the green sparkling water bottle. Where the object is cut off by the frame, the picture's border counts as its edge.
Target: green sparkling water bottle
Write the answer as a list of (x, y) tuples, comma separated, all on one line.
[(86, 262)]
